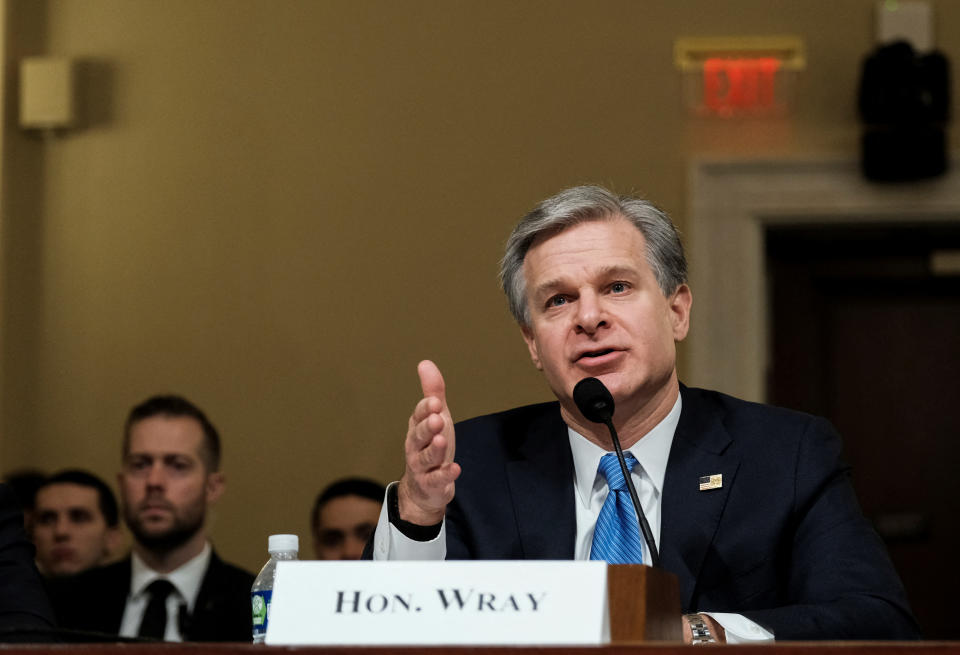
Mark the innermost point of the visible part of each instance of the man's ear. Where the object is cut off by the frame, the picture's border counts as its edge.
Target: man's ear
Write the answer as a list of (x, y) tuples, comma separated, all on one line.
[(680, 303), (216, 484), (531, 342)]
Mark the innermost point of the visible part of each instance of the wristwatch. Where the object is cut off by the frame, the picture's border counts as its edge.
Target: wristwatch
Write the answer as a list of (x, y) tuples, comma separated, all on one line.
[(700, 630)]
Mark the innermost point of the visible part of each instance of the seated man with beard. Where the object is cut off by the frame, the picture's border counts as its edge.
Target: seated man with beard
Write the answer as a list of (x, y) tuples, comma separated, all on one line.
[(172, 587)]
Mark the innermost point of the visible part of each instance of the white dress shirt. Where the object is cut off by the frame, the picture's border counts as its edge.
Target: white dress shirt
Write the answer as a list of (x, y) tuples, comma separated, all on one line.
[(590, 487), (590, 490), (186, 581)]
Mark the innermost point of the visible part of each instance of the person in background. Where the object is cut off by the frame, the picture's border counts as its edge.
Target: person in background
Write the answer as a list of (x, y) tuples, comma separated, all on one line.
[(25, 613), (76, 523), (344, 517), (24, 484), (173, 586)]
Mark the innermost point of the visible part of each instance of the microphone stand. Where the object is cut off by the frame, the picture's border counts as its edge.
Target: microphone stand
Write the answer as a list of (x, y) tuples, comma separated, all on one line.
[(641, 519)]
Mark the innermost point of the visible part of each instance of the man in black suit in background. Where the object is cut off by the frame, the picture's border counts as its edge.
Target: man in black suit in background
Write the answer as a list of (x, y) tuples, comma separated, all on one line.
[(750, 506), (173, 587), (25, 613)]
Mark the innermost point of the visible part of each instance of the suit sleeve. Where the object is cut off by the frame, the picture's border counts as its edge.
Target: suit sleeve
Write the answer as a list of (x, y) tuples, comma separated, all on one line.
[(840, 581), (24, 607)]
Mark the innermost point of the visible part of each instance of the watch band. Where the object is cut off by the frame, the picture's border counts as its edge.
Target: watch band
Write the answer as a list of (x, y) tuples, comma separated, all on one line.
[(699, 629), (407, 529)]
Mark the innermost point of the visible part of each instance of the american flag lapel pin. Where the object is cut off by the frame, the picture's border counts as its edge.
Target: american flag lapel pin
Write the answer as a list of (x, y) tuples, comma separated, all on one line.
[(708, 482)]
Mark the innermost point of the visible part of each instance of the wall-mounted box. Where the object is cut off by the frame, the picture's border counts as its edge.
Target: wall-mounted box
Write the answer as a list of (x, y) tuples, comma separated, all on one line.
[(47, 98), (910, 21)]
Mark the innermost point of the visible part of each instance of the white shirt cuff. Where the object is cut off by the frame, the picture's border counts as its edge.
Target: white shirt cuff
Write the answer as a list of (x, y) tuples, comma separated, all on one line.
[(739, 629), (389, 544)]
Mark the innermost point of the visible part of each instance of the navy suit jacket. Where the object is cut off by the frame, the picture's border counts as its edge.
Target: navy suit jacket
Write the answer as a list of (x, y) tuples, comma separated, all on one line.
[(783, 542), (94, 601)]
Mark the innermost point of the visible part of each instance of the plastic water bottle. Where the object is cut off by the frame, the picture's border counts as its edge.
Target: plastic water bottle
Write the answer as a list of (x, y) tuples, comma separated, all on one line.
[(282, 547)]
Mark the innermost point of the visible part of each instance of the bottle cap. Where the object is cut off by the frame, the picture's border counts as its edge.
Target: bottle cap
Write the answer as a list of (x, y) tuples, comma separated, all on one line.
[(281, 542)]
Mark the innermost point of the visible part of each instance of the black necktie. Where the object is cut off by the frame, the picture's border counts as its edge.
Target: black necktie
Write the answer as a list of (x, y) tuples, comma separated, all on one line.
[(154, 623)]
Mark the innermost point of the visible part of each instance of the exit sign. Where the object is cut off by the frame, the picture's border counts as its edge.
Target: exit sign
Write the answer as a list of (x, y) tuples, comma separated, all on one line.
[(733, 86), (739, 76)]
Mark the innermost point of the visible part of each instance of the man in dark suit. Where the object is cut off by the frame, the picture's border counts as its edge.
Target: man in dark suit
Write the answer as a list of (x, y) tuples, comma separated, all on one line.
[(750, 506), (173, 586), (25, 613)]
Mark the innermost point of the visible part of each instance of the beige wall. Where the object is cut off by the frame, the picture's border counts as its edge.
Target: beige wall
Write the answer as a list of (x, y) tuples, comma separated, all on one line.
[(277, 207)]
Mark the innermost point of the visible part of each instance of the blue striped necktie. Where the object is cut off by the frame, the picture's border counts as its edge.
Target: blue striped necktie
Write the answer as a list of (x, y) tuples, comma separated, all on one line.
[(616, 538)]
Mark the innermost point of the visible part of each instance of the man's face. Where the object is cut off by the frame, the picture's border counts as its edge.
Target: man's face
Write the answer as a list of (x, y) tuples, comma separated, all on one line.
[(69, 530), (596, 311), (345, 523), (164, 484)]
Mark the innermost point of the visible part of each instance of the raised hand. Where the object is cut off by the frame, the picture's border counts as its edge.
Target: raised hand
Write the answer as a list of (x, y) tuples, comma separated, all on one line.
[(427, 484)]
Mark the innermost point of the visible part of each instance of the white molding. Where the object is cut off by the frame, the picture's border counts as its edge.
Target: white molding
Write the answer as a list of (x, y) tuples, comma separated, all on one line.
[(731, 201)]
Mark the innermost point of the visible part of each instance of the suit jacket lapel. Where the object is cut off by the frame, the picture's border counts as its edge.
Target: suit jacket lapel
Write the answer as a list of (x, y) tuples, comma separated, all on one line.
[(540, 476), (690, 516), (103, 598), (204, 617)]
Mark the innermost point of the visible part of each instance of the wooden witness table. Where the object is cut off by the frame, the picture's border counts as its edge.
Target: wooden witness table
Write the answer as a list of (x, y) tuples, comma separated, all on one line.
[(647, 648), (644, 620)]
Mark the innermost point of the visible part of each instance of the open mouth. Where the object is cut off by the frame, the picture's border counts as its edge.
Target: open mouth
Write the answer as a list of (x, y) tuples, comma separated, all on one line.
[(596, 354)]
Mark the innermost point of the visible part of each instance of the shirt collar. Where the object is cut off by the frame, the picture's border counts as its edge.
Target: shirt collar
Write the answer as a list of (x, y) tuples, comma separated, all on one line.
[(186, 579), (651, 451)]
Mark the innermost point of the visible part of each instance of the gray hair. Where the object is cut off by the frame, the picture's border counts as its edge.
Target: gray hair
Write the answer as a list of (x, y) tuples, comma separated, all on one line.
[(581, 204)]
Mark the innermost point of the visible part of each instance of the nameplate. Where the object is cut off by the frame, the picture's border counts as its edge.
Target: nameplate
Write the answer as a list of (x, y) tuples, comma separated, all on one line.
[(439, 603)]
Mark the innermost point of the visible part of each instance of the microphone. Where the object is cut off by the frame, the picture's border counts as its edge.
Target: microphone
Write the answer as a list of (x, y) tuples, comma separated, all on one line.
[(594, 401)]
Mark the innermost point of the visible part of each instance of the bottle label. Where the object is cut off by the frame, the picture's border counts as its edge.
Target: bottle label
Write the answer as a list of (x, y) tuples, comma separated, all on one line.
[(261, 611)]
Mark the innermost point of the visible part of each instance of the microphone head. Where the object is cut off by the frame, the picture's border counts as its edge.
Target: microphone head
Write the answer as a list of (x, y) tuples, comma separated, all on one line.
[(593, 400)]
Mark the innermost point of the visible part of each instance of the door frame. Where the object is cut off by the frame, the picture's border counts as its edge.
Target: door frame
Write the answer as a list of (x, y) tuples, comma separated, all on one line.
[(731, 201)]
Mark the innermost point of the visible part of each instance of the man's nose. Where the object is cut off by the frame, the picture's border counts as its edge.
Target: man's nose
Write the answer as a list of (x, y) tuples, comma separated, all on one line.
[(591, 315), (353, 548), (156, 476), (60, 531)]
